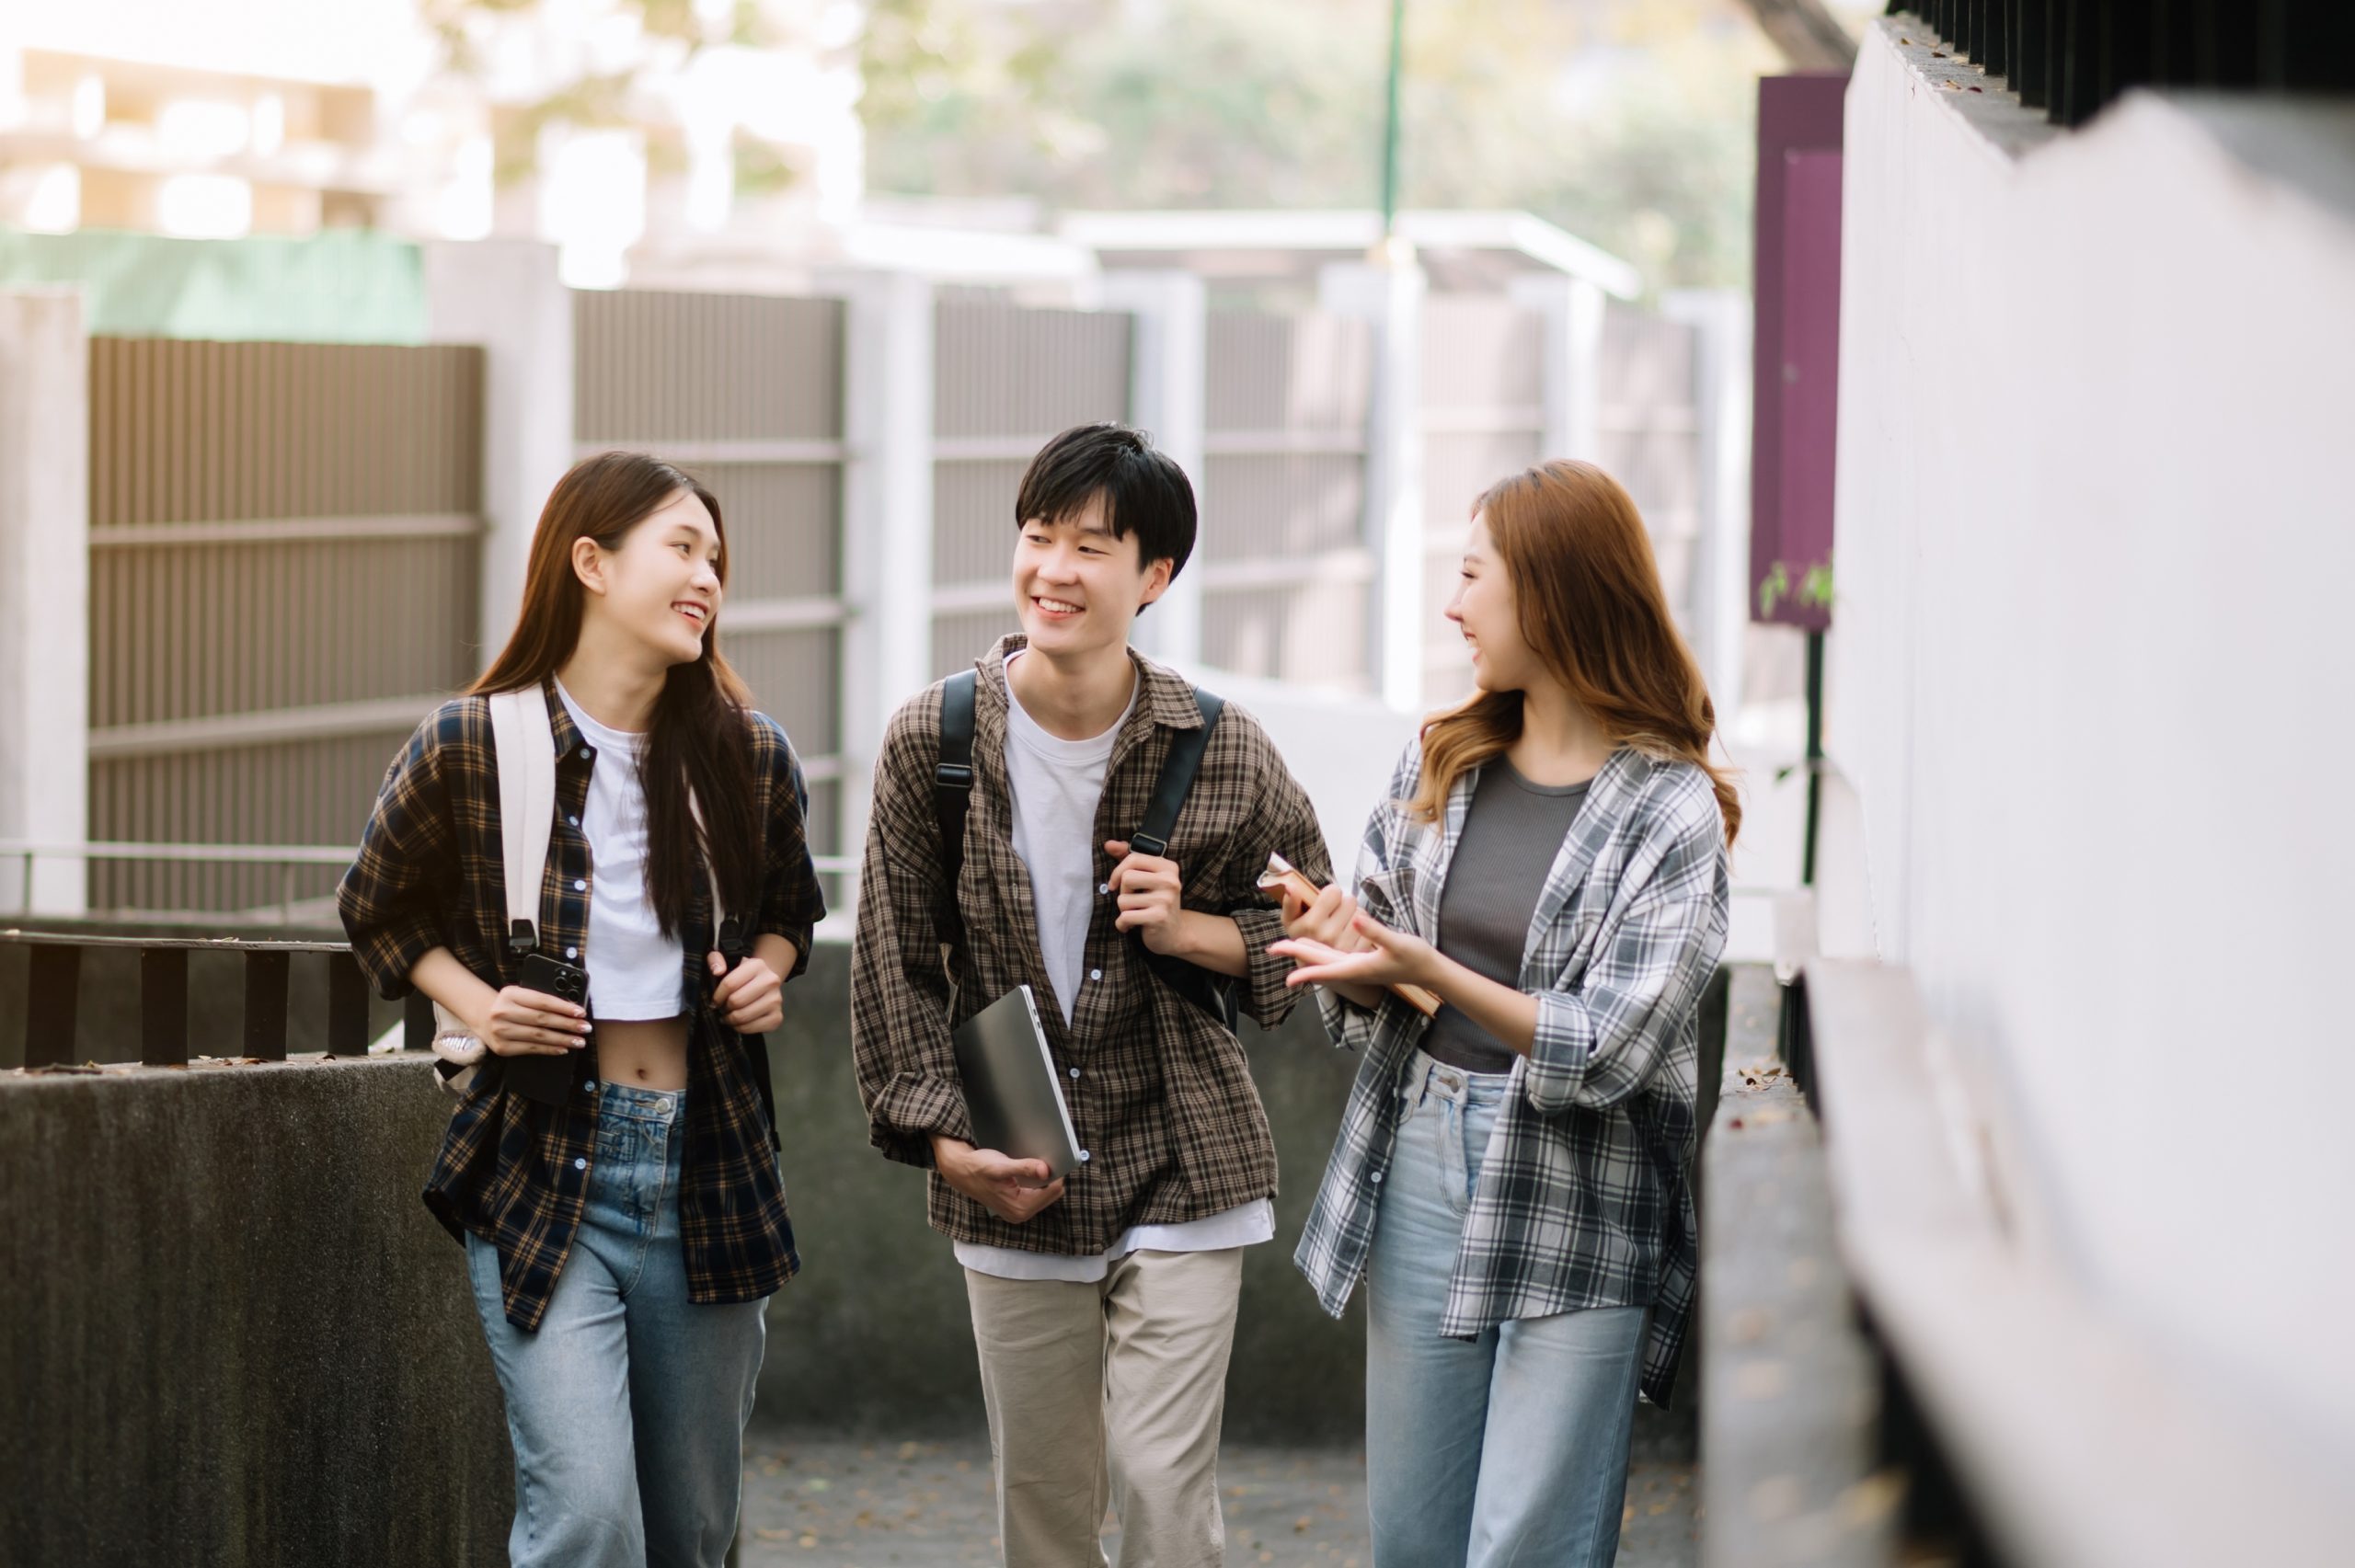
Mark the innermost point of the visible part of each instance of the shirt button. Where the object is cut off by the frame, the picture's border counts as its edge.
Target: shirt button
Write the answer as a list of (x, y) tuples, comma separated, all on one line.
[(586, 753), (590, 1087), (574, 821), (1083, 1156), (581, 1164), (1074, 1072), (1095, 973), (578, 886), (1103, 886), (573, 952), (1377, 1178)]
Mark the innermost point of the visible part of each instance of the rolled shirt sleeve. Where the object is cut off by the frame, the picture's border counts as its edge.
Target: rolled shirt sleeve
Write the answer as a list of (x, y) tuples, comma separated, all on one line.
[(792, 902), (1374, 885), (899, 999), (1286, 825), (390, 900)]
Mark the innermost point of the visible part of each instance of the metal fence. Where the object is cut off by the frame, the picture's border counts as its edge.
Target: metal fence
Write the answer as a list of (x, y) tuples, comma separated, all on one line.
[(1005, 379), (52, 995), (287, 552), (283, 568), (1483, 417), (1647, 434), (746, 390), (1287, 579)]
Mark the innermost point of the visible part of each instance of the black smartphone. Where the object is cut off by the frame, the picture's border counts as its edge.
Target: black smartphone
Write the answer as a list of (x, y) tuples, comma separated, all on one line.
[(548, 1079)]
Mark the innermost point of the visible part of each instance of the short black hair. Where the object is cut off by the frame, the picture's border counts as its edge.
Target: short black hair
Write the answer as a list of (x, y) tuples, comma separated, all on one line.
[(1142, 490)]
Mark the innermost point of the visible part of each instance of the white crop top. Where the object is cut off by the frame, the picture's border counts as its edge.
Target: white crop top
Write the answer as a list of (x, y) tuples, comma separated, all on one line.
[(635, 971)]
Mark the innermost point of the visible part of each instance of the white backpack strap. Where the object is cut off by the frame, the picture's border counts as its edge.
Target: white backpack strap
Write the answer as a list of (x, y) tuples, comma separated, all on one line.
[(525, 742), (526, 746)]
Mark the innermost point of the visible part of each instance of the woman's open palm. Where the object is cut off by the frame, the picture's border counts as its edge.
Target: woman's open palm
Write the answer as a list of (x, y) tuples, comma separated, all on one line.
[(1390, 957)]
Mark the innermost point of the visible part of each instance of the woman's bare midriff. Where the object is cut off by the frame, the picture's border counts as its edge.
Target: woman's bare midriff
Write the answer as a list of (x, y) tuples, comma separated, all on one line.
[(645, 1053)]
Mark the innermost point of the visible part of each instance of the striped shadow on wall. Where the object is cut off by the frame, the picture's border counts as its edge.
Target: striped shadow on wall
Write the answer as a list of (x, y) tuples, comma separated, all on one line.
[(745, 392), (283, 578), (1006, 380)]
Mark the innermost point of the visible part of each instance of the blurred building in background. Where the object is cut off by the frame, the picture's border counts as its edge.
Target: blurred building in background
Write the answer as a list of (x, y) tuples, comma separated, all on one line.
[(590, 124), (352, 285)]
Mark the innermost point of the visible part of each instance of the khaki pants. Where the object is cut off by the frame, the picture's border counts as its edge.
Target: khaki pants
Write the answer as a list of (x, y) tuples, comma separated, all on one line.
[(1109, 1392)]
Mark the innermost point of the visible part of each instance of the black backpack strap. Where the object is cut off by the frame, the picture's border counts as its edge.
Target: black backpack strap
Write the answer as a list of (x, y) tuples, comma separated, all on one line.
[(1177, 771), (1214, 993), (952, 793)]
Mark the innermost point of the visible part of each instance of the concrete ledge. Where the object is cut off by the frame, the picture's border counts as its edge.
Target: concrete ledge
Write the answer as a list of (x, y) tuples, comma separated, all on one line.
[(232, 1335)]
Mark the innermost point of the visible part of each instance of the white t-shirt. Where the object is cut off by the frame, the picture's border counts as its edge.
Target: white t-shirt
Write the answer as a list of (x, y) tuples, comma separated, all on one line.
[(635, 971), (1057, 785)]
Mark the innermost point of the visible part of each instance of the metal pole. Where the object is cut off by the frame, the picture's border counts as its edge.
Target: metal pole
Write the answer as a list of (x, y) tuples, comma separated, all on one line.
[(1390, 127), (1814, 752)]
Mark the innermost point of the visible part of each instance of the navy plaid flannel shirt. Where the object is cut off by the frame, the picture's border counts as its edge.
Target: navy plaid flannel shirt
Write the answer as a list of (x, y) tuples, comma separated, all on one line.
[(511, 1170)]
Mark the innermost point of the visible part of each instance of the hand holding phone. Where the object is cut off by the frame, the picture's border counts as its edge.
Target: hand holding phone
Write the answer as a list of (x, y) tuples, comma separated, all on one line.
[(547, 1075), (1285, 878)]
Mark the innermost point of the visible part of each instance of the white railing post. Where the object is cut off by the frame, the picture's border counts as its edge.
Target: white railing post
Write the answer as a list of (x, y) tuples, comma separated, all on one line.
[(1391, 296), (506, 296), (887, 520), (1571, 359), (44, 591), (1720, 321), (1167, 388)]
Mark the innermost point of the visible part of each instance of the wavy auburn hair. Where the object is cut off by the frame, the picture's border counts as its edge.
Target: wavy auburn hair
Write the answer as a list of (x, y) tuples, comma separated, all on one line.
[(701, 735), (1587, 596)]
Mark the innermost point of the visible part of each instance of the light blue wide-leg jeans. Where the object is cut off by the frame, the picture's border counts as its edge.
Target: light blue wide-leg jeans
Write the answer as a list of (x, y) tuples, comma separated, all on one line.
[(627, 1408), (1508, 1450)]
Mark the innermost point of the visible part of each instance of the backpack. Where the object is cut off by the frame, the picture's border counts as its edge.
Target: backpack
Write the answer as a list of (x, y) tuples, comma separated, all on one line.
[(525, 742), (952, 794)]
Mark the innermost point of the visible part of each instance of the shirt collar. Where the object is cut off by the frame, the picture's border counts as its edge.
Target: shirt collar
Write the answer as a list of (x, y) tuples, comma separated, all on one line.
[(1166, 698)]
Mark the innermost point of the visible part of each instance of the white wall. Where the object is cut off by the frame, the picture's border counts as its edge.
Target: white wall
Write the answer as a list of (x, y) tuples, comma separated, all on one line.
[(45, 593), (2089, 684)]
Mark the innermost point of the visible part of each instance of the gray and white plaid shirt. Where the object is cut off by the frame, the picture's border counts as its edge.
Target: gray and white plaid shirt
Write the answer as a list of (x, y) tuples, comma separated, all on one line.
[(1582, 1199)]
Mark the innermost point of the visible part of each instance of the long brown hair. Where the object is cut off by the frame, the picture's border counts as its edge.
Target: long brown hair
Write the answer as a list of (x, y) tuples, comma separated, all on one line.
[(701, 735), (1587, 592)]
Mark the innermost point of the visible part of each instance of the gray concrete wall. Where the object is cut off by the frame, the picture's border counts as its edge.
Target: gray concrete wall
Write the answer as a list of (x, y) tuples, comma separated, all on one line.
[(232, 1334)]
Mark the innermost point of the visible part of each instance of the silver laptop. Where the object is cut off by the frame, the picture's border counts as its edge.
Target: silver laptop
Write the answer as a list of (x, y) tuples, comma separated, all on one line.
[(1011, 1092)]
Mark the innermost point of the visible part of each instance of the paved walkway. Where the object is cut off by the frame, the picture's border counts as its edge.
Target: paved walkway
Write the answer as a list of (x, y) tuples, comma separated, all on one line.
[(824, 1503)]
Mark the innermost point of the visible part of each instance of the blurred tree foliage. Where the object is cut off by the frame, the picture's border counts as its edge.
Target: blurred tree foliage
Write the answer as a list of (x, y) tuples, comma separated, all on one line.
[(1629, 123)]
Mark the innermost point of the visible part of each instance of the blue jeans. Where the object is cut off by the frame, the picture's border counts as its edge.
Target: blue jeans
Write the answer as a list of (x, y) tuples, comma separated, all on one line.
[(627, 1408), (1510, 1448)]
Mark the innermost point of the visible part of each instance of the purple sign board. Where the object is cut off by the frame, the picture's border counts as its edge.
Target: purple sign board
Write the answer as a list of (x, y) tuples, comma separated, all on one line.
[(1796, 401)]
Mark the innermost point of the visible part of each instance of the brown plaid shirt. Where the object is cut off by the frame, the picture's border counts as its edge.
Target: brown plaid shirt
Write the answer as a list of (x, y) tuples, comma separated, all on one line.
[(1160, 1093), (511, 1170)]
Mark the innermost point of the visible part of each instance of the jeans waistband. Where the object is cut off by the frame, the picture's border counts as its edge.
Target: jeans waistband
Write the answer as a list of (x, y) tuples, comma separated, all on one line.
[(1427, 1078), (623, 1100)]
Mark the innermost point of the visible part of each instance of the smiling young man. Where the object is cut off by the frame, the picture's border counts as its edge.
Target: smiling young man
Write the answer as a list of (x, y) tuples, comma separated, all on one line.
[(1104, 1302)]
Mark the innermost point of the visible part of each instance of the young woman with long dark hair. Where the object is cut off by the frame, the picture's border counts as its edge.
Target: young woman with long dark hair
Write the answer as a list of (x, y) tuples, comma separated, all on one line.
[(1510, 1179), (623, 1228)]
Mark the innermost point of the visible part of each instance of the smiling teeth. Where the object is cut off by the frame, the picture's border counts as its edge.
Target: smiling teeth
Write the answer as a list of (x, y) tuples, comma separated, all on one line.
[(1059, 605)]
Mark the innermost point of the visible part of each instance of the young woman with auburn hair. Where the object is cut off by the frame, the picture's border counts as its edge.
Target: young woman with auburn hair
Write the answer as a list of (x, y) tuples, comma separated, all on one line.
[(623, 1219), (1510, 1175)]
